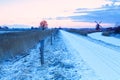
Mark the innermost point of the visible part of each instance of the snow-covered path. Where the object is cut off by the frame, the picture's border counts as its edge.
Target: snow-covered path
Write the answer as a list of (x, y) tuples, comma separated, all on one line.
[(105, 61), (110, 40)]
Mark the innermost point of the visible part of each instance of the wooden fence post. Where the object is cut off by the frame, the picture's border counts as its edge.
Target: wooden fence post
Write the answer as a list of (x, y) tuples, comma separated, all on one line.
[(51, 38), (42, 52)]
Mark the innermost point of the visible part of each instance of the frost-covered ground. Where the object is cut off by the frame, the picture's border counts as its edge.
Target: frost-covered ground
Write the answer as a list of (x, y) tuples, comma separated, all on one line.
[(61, 63), (1, 32)]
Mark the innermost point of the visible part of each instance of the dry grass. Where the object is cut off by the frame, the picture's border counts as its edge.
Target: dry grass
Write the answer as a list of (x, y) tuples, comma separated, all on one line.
[(83, 32), (12, 44)]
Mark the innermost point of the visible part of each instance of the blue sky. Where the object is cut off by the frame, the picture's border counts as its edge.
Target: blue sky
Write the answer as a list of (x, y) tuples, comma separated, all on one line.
[(107, 13), (65, 13)]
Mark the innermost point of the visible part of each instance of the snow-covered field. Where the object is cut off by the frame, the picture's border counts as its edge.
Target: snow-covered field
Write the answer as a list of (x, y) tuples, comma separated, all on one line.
[(71, 57), (1, 32), (110, 39)]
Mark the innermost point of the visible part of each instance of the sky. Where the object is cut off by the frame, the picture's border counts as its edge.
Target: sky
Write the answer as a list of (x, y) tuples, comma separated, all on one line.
[(60, 13)]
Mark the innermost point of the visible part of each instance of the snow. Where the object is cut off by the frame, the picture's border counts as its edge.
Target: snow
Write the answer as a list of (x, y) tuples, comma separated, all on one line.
[(111, 40), (18, 26), (104, 61), (2, 32), (60, 64), (71, 57)]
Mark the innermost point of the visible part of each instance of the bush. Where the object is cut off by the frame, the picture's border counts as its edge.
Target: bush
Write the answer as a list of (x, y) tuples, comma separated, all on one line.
[(107, 33), (117, 29), (77, 31), (83, 31)]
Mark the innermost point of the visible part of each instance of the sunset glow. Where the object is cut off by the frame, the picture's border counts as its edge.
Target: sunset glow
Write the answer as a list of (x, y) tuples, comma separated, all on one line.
[(31, 12)]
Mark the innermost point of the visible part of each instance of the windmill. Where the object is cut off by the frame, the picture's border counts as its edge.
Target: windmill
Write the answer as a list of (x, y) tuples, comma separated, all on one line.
[(98, 26)]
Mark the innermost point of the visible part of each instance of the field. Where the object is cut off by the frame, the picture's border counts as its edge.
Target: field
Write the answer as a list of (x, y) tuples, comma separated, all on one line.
[(73, 55), (19, 43)]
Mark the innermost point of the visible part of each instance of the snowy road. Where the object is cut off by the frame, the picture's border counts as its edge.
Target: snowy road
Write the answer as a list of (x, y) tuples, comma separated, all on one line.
[(105, 61)]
